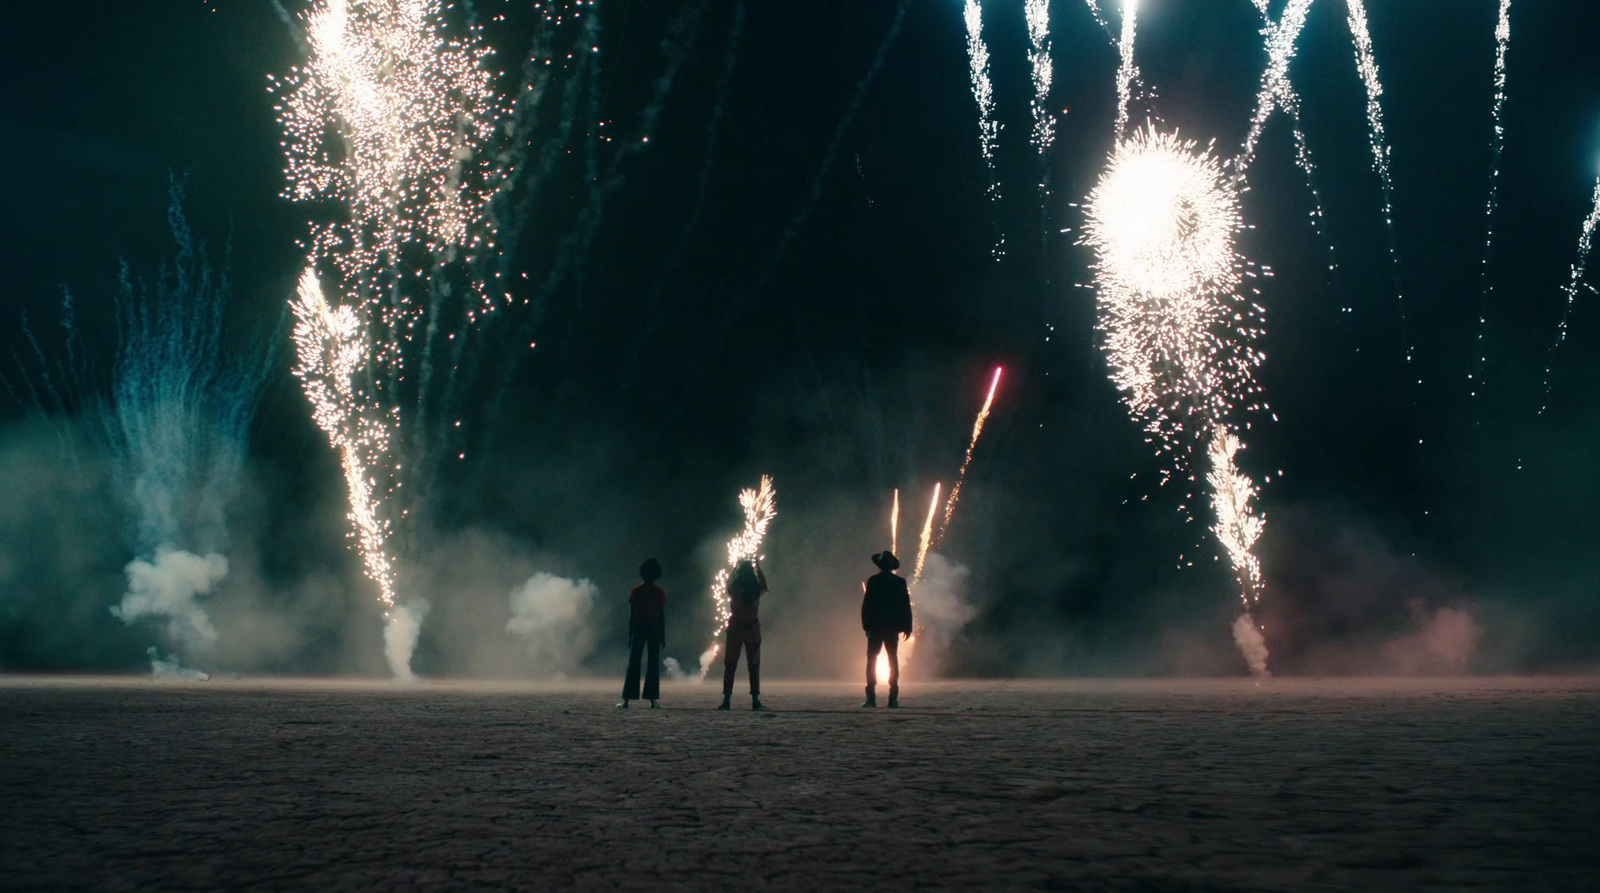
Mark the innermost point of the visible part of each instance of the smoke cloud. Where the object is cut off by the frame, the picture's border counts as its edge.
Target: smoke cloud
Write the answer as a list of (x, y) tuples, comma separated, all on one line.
[(400, 638), (942, 609), (167, 588), (170, 667), (1247, 635), (553, 615)]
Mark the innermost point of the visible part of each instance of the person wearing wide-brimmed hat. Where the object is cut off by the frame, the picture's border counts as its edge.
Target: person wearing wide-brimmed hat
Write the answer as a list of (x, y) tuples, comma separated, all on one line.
[(885, 617)]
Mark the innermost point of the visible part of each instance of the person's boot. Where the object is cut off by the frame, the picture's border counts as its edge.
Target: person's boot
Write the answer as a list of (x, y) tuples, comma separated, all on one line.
[(872, 697), (894, 698), (654, 705), (726, 703), (623, 705), (755, 702)]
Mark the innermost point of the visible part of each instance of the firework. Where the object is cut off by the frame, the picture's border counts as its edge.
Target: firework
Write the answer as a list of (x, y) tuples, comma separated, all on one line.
[(982, 90), (1585, 240), (1127, 72), (331, 347), (1367, 65), (977, 430), (1179, 339), (760, 506), (1276, 91), (1037, 13), (1162, 221), (894, 524), (1502, 41), (927, 535)]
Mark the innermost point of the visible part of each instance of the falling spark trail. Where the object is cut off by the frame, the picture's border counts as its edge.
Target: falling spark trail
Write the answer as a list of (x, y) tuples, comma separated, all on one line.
[(983, 95), (1585, 241), (1367, 65), (1037, 13), (1502, 41), (1127, 72), (927, 535), (977, 430), (1277, 93), (760, 506), (1100, 19), (982, 90), (814, 194), (894, 524), (1237, 526), (330, 346)]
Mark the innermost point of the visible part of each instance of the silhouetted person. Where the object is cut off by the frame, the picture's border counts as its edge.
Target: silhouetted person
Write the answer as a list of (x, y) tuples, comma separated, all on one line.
[(647, 629), (745, 589), (885, 617)]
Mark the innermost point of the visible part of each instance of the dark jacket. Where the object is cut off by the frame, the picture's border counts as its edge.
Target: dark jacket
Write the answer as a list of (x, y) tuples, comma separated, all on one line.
[(886, 608), (647, 605)]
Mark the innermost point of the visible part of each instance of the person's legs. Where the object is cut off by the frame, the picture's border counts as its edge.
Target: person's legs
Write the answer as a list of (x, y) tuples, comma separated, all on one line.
[(874, 644), (652, 674), (753, 659), (630, 682), (730, 661)]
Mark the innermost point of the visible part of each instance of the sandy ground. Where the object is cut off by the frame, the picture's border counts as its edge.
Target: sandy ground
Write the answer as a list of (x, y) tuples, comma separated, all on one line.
[(1151, 786)]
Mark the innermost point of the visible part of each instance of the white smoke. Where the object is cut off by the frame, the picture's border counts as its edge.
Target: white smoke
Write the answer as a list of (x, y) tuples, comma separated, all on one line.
[(1251, 644), (400, 638), (942, 609), (170, 667), (168, 588), (706, 657), (674, 670), (1453, 635), (552, 614)]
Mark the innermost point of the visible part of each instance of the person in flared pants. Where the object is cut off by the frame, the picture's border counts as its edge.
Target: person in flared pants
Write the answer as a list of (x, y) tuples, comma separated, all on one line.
[(647, 629)]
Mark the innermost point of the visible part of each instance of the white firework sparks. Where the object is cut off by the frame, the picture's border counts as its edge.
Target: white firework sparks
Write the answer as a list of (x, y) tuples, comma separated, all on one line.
[(1163, 221), (1502, 41), (1367, 65), (1276, 91), (982, 89), (390, 119), (760, 506), (1237, 526), (1037, 13), (330, 350), (927, 535), (1585, 242), (1127, 72)]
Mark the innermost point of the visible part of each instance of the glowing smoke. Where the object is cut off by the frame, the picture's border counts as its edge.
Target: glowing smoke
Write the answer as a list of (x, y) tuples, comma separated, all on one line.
[(169, 667), (553, 615), (1252, 644)]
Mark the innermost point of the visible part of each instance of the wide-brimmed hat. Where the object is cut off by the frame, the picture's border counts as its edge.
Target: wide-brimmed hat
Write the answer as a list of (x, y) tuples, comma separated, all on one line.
[(886, 560)]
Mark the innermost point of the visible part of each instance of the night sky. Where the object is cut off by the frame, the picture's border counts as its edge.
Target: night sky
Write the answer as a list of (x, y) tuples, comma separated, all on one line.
[(701, 339)]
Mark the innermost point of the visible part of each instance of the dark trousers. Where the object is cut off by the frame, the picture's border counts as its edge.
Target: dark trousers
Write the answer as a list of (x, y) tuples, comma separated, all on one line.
[(639, 639), (890, 642), (749, 639)]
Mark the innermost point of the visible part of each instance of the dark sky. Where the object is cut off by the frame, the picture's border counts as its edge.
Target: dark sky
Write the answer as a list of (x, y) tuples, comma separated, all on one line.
[(856, 365)]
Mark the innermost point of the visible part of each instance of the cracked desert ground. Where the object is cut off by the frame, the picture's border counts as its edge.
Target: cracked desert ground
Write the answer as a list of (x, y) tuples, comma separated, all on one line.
[(136, 784)]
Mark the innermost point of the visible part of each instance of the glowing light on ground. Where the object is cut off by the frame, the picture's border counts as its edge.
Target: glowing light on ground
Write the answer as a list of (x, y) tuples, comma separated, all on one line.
[(760, 506)]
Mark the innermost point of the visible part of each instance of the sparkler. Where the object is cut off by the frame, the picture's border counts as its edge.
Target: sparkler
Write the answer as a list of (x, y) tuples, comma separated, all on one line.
[(1502, 41), (1585, 241), (977, 430), (760, 506)]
